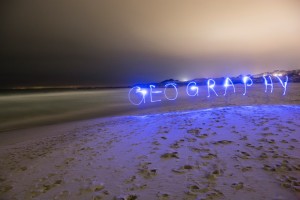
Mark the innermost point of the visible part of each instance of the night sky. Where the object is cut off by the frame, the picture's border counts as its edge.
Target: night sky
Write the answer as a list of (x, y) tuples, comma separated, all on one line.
[(114, 43)]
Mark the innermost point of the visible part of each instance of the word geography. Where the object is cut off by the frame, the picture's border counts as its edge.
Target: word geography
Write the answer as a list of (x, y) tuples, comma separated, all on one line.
[(137, 95)]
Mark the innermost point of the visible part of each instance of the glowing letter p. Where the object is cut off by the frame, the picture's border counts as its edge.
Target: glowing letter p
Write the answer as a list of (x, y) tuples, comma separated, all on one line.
[(246, 80)]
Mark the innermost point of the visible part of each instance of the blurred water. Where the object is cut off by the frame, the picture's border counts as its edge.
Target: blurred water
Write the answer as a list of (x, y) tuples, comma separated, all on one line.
[(26, 109), (39, 108)]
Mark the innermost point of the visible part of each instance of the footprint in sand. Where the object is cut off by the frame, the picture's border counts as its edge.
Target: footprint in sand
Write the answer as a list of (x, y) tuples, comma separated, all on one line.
[(183, 169), (237, 186), (170, 155), (148, 173), (175, 145), (222, 142), (202, 136), (209, 156), (163, 196), (244, 155), (289, 182), (126, 197)]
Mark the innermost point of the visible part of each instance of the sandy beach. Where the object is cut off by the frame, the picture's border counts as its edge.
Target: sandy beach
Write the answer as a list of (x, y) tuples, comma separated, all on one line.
[(240, 152), (150, 100)]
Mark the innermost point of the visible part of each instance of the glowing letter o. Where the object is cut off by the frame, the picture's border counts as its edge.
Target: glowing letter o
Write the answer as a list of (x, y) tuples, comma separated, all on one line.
[(174, 85)]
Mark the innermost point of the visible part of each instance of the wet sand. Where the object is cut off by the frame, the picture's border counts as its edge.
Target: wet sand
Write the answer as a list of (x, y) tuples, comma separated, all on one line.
[(241, 152)]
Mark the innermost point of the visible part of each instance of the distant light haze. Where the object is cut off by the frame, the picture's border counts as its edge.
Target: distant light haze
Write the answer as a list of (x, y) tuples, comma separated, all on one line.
[(119, 43)]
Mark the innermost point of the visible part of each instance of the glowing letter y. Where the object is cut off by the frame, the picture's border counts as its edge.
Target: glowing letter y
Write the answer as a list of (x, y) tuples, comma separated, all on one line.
[(284, 84)]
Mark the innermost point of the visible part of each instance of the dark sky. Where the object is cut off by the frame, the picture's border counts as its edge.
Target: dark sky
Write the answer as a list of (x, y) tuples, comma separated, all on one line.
[(72, 42)]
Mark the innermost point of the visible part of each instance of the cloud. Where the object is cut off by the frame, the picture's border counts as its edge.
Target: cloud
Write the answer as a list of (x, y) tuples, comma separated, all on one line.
[(125, 36)]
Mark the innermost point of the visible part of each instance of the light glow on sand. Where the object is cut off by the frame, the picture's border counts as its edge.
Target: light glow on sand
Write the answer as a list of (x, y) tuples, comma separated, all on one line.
[(246, 80), (228, 83), (193, 87)]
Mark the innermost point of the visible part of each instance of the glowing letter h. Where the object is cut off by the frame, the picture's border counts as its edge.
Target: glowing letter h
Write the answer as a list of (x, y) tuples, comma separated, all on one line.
[(268, 84)]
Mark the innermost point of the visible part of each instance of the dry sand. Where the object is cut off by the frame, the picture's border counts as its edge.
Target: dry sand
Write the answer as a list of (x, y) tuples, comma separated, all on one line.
[(242, 152)]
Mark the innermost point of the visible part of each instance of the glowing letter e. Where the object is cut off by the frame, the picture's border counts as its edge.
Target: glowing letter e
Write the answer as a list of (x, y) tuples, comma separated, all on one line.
[(153, 92), (270, 84), (284, 84), (210, 86)]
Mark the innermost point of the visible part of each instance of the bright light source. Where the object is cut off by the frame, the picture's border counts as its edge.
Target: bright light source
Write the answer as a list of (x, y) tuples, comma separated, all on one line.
[(194, 88), (184, 79), (144, 92)]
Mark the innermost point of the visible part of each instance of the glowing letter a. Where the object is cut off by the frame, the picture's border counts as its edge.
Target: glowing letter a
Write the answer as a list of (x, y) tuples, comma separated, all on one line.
[(228, 83)]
